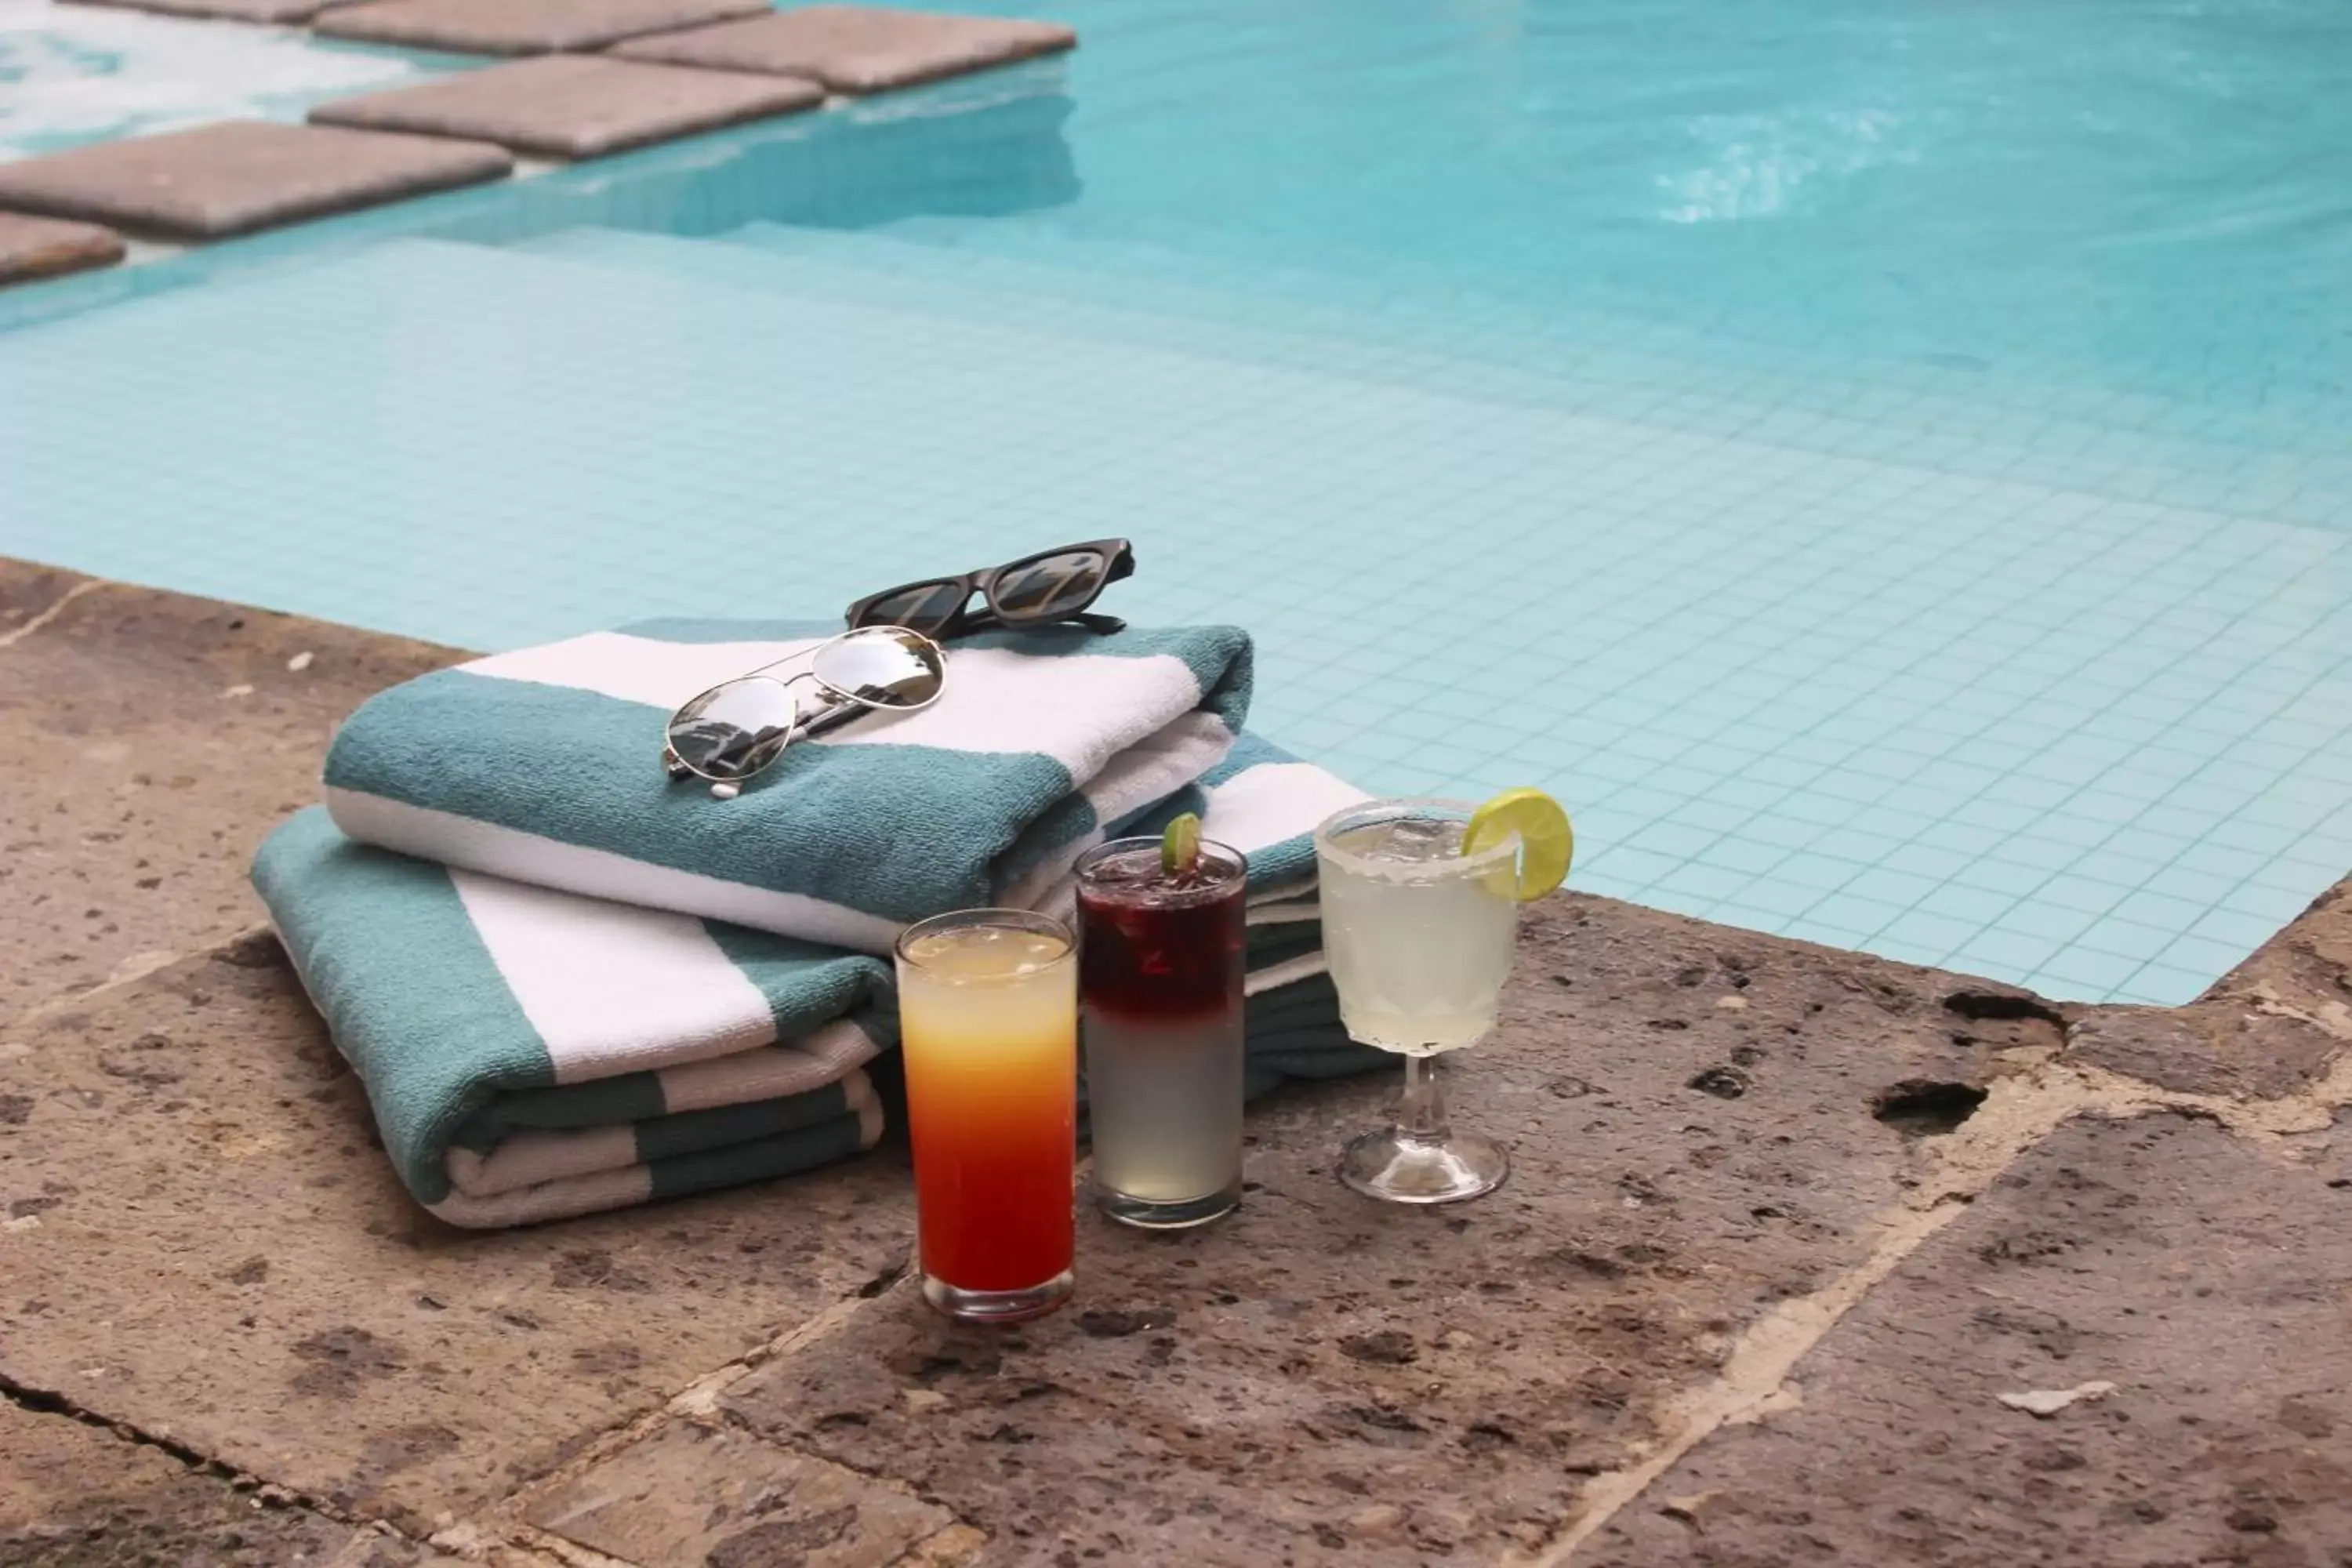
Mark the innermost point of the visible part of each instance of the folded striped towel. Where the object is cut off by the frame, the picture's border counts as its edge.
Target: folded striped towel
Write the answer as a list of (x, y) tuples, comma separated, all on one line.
[(531, 1054), (544, 766)]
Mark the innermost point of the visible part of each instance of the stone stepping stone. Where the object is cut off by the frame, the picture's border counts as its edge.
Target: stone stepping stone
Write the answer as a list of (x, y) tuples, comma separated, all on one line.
[(240, 175), (856, 49), (270, 13), (521, 26), (33, 247), (574, 106)]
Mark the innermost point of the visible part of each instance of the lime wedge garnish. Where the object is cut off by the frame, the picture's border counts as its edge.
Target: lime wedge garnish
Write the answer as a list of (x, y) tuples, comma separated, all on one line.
[(1547, 842), (1180, 847)]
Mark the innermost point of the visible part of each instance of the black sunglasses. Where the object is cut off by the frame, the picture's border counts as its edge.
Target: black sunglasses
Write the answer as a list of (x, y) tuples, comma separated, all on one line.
[(1054, 584)]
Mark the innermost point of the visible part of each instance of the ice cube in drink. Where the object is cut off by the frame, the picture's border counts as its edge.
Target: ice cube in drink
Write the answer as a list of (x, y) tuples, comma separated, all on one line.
[(1159, 987), (1418, 937)]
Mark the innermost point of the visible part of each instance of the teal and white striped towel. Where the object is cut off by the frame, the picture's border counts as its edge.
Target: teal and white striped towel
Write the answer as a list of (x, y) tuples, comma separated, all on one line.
[(532, 1054), (544, 766)]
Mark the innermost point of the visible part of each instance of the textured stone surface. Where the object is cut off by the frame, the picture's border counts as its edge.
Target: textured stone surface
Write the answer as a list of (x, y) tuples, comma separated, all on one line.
[(574, 106), (1695, 1116), (33, 248), (227, 179), (207, 1241), (197, 1237), (149, 741), (856, 48), (74, 1497), (694, 1494), (521, 26), (2211, 1285), (2217, 1048), (266, 12)]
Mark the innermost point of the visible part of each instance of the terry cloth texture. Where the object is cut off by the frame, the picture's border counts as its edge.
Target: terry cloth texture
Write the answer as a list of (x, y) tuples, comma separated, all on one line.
[(544, 766), (531, 1052)]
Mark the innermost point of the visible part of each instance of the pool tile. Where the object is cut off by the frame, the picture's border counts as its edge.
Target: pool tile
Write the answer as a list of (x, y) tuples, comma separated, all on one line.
[(1763, 633)]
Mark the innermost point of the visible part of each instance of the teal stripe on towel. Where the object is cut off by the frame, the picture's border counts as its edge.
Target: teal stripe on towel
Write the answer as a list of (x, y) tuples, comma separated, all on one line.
[(691, 1131), (808, 985), (599, 1102), (364, 925), (782, 1155), (804, 826)]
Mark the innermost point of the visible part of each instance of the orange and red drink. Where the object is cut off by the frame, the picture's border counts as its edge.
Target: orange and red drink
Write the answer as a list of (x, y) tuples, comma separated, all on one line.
[(988, 1009)]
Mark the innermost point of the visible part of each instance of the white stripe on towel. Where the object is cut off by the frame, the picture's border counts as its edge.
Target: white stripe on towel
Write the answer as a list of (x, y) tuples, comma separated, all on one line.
[(1289, 971), (550, 1200), (995, 700), (820, 1058), (611, 988), (538, 1155), (599, 874), (636, 670), (1272, 802)]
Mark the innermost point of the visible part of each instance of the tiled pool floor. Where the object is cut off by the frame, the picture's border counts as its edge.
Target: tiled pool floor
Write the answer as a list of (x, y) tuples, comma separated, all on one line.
[(2059, 734)]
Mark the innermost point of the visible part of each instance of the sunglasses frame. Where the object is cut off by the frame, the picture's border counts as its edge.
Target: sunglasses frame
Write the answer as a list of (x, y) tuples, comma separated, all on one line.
[(965, 621), (840, 706)]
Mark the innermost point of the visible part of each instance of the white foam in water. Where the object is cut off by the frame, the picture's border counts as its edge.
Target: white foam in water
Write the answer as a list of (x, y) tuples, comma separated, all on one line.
[(76, 74)]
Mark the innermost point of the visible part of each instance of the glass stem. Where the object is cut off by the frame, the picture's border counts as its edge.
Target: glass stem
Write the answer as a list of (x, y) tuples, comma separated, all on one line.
[(1421, 1115)]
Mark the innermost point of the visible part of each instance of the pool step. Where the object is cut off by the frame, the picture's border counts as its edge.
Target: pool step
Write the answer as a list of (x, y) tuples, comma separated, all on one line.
[(1118, 292)]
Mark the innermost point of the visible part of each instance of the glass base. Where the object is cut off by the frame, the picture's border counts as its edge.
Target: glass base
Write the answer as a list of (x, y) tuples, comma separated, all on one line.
[(997, 1306), (1146, 1214), (1397, 1169)]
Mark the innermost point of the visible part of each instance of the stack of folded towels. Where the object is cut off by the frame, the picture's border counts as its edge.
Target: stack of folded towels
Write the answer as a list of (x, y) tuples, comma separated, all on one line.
[(570, 985)]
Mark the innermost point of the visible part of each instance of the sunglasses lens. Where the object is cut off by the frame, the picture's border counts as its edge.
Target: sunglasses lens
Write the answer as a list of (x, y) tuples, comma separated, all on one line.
[(731, 732), (882, 666), (925, 607), (1049, 586)]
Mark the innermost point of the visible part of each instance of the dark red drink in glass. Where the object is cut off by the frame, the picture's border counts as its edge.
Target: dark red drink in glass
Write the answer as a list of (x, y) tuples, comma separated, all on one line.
[(1160, 1010)]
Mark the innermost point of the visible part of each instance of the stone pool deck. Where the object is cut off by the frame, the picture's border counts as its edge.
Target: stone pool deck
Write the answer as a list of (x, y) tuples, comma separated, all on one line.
[(1790, 1230)]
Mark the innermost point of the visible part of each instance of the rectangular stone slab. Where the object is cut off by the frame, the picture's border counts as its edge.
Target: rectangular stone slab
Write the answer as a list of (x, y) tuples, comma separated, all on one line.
[(574, 106), (239, 176), (33, 247), (522, 27), (266, 11), (856, 48), (2187, 1288)]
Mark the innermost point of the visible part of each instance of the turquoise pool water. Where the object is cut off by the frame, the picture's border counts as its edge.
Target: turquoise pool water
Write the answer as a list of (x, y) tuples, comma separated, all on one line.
[(76, 74), (1885, 469)]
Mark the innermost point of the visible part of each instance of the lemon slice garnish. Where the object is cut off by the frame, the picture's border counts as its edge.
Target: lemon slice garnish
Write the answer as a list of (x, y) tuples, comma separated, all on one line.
[(1547, 842)]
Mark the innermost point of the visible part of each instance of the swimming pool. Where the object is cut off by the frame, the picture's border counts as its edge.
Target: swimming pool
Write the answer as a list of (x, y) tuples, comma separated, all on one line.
[(1885, 471)]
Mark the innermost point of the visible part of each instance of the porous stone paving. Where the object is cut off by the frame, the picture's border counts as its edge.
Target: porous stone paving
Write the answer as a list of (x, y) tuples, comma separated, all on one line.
[(521, 27), (574, 106), (1785, 1227), (33, 248), (856, 49), (239, 176)]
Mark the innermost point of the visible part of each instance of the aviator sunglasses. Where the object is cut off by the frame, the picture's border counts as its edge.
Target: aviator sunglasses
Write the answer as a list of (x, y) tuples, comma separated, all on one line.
[(1056, 585), (740, 727)]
